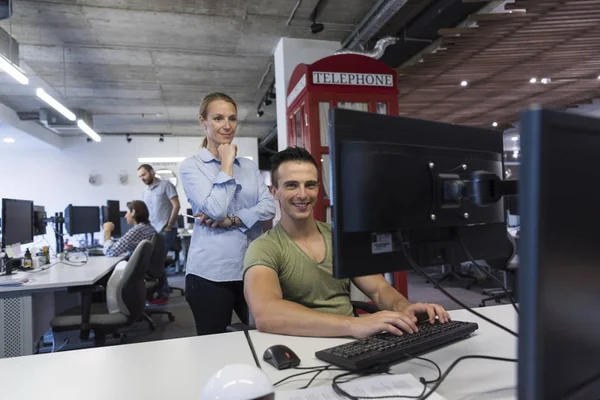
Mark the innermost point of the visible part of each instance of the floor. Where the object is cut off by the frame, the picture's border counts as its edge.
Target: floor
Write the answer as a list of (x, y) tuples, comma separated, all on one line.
[(183, 326)]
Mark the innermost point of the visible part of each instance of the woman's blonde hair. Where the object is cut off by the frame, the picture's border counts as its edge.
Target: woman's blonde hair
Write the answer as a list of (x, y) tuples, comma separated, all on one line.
[(206, 102)]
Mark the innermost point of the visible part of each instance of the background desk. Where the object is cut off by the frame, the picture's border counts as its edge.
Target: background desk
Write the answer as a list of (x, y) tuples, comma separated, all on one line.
[(167, 369), (26, 310), (471, 379)]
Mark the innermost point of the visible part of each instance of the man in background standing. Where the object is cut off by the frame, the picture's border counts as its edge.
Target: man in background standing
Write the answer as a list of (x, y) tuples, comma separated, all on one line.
[(163, 203)]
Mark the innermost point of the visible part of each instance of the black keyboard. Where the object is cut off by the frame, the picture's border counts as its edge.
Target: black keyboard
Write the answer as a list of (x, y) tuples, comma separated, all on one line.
[(95, 253), (386, 348)]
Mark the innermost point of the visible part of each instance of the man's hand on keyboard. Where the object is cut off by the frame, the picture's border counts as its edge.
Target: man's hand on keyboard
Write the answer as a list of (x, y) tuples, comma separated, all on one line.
[(383, 321), (432, 310)]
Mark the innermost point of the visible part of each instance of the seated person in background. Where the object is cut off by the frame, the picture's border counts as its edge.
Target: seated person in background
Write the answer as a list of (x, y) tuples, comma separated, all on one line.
[(288, 281), (138, 216)]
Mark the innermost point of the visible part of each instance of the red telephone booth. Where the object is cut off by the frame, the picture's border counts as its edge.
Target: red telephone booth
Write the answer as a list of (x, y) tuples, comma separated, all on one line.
[(345, 81)]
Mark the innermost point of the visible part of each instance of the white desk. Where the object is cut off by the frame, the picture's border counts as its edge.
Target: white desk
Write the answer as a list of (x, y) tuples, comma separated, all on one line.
[(179, 368), (471, 379), (167, 369), (26, 310)]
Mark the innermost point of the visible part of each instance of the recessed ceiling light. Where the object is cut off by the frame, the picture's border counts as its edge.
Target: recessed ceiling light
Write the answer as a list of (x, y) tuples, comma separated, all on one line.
[(598, 76), (516, 154), (494, 124), (546, 81), (464, 83), (9, 140), (514, 138), (533, 80)]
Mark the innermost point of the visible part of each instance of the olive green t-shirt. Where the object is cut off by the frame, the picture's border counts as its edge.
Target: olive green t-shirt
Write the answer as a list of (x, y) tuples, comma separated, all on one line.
[(302, 280)]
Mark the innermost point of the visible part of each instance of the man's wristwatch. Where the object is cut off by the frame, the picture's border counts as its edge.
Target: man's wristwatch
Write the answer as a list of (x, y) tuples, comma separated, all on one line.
[(232, 218)]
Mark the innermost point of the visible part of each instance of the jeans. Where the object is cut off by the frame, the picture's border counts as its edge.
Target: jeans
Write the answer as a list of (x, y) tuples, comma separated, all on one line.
[(212, 303), (162, 289)]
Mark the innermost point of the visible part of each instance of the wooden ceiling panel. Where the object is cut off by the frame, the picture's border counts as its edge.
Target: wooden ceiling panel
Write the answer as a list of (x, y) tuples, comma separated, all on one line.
[(554, 39)]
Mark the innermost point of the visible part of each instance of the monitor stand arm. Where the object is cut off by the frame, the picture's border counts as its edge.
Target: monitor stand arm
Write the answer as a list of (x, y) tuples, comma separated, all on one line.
[(487, 188)]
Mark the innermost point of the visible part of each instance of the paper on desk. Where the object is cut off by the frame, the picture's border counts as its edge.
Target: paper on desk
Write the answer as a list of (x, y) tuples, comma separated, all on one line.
[(372, 386)]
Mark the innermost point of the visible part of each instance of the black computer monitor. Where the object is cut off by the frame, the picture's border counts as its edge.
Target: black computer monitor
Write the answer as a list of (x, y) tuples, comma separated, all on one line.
[(111, 213), (17, 221), (559, 350), (393, 181), (188, 219), (82, 219), (39, 220)]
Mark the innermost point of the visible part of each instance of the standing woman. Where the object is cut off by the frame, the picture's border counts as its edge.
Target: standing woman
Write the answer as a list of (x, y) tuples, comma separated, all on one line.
[(230, 200)]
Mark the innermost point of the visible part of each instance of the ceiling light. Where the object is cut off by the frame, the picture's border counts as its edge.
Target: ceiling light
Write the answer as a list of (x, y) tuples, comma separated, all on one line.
[(160, 159), (162, 138), (13, 70), (514, 138), (9, 140), (128, 138), (533, 80), (268, 102), (494, 124), (546, 81), (272, 95), (55, 104), (260, 113), (516, 154), (464, 83), (89, 131)]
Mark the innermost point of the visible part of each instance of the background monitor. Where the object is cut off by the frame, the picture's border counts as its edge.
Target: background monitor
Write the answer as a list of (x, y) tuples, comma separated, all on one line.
[(111, 213), (82, 219), (388, 177), (189, 212), (17, 222), (39, 220), (559, 350)]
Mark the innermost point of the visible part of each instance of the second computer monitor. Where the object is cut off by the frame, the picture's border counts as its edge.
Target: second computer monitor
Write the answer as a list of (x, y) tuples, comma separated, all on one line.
[(17, 222), (110, 213), (386, 193), (82, 219)]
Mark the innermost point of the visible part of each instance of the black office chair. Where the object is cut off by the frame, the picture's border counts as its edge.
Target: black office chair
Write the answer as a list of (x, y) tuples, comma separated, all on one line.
[(455, 272), (508, 267), (357, 306), (154, 278), (125, 301)]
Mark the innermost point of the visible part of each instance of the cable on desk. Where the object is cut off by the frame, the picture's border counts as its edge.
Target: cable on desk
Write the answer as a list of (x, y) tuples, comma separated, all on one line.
[(455, 362), (313, 370), (337, 389), (422, 379), (454, 299), (315, 377), (489, 274)]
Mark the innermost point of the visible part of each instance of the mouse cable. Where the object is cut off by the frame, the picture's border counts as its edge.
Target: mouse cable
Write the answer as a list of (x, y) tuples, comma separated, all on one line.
[(337, 389), (312, 371), (437, 285), (458, 360), (488, 274), (315, 377)]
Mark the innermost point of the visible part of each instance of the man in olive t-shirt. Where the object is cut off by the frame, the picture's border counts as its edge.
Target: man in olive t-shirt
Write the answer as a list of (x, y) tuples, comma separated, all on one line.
[(288, 280), (302, 279)]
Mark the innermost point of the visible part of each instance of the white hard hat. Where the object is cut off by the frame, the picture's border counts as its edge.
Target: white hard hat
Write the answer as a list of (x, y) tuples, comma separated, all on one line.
[(237, 382)]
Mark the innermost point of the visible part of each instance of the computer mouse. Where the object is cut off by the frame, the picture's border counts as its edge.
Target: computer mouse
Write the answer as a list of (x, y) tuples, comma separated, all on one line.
[(281, 357)]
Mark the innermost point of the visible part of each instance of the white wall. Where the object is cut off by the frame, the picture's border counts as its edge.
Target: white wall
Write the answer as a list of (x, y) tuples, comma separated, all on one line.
[(55, 178)]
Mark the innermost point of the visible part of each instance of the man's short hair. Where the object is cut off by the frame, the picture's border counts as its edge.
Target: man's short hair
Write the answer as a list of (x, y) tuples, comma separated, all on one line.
[(147, 167), (141, 215), (298, 154)]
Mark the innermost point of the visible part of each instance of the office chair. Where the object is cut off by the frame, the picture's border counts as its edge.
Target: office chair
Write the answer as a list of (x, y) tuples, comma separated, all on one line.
[(454, 273), (507, 267), (154, 275), (357, 307), (125, 301)]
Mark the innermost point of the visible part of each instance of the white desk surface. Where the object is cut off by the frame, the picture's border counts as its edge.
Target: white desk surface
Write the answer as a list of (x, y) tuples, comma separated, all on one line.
[(470, 379), (60, 276), (179, 368), (166, 369)]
